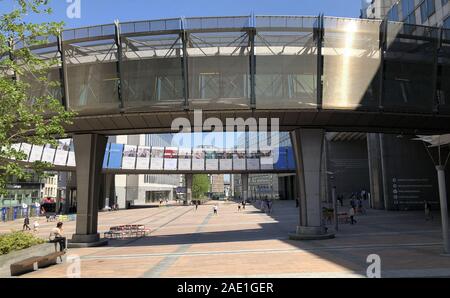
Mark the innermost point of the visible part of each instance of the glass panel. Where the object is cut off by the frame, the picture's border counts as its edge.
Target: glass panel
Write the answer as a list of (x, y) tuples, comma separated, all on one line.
[(152, 72), (43, 84), (351, 62), (409, 68), (218, 67), (92, 76), (46, 81), (286, 62)]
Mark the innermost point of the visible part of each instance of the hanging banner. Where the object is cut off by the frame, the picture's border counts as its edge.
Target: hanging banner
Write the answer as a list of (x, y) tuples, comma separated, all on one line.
[(239, 159), (157, 160), (62, 152), (143, 158), (212, 161), (129, 157), (49, 154), (226, 160), (170, 158), (71, 159), (184, 159), (26, 149), (36, 153), (266, 160), (198, 159), (252, 161)]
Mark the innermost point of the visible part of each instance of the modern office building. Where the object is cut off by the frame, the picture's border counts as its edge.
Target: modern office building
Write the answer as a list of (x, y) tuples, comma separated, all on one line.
[(433, 13), (375, 9)]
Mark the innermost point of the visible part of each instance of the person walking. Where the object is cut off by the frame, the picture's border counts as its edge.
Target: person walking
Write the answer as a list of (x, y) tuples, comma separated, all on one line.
[(239, 207), (35, 226), (351, 213), (26, 224), (215, 208), (57, 236), (243, 205), (196, 205)]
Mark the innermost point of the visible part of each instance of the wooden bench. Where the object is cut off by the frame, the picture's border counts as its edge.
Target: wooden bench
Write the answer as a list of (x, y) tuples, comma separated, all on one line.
[(34, 263), (50, 259), (24, 266)]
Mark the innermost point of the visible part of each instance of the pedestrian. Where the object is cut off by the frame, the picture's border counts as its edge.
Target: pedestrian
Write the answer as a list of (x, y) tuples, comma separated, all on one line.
[(243, 204), (239, 207), (196, 205), (215, 208), (57, 236), (351, 213), (360, 206), (35, 226), (26, 223)]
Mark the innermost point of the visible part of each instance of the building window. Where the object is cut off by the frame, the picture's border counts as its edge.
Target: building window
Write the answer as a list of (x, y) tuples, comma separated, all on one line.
[(393, 13), (427, 9), (430, 7), (446, 23), (407, 8), (423, 11)]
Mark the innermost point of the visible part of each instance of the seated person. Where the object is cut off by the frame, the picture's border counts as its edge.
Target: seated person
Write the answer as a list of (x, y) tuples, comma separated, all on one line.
[(57, 236)]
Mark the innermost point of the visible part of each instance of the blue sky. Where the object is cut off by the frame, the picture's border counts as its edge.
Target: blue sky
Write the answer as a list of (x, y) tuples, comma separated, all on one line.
[(95, 12)]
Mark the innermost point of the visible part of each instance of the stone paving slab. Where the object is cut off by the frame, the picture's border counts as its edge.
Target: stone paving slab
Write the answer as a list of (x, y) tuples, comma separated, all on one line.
[(196, 243)]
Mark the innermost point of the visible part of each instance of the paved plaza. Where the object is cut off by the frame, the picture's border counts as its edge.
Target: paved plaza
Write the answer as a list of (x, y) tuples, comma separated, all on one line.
[(196, 243)]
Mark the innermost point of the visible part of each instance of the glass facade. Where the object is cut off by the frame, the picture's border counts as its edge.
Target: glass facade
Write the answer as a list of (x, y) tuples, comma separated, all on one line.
[(352, 58), (265, 62), (410, 68), (218, 63), (92, 78), (152, 75), (286, 62)]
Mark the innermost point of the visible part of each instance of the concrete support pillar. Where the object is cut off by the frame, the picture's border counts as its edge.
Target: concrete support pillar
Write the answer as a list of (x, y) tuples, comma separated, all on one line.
[(89, 153), (189, 179), (244, 179), (308, 149), (375, 157)]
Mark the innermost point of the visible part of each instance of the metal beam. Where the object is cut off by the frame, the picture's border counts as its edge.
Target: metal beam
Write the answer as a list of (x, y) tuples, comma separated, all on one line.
[(436, 71), (252, 65), (319, 37), (63, 73), (383, 37), (119, 63), (184, 67)]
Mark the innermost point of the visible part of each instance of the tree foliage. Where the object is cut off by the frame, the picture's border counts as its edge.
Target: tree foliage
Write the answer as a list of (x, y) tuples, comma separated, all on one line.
[(200, 186), (30, 109)]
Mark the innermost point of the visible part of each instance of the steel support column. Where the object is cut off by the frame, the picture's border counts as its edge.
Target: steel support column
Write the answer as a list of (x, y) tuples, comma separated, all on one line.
[(63, 73)]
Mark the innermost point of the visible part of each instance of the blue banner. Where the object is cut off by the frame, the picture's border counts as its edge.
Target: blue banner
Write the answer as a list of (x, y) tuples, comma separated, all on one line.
[(115, 156)]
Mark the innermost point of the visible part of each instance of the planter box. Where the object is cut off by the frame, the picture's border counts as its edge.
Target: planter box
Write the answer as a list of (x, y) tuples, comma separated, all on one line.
[(19, 255)]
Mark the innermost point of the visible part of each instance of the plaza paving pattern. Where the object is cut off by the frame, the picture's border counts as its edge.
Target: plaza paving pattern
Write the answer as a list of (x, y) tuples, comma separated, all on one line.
[(196, 243)]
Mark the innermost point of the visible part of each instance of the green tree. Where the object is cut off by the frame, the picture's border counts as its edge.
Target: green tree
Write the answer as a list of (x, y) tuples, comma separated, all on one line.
[(29, 108), (200, 186)]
